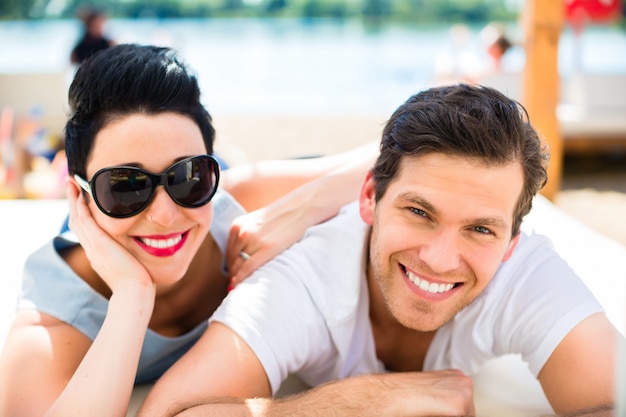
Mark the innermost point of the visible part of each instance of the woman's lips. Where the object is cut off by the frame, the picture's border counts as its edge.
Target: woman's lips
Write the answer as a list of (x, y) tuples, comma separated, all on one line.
[(162, 245)]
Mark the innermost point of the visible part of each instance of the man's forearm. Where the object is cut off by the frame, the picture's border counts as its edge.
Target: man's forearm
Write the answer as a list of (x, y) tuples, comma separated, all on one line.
[(442, 393)]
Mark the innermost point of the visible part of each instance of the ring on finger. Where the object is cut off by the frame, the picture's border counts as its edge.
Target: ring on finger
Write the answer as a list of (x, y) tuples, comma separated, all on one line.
[(244, 255)]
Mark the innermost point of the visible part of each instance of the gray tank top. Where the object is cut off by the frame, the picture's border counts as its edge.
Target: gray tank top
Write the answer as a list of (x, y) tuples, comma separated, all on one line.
[(50, 286)]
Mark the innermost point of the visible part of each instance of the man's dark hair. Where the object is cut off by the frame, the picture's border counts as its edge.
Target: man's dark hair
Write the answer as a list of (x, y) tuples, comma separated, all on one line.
[(467, 121)]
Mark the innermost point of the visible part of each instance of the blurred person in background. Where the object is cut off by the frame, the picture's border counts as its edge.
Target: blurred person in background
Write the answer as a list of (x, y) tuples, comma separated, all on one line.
[(476, 60), (496, 44), (94, 38)]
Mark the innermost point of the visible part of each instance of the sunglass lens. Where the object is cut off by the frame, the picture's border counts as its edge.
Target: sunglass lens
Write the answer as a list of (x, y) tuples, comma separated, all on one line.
[(192, 183), (123, 191)]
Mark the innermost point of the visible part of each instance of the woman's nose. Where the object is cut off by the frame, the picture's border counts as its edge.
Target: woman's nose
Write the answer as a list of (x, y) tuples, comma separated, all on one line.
[(162, 209)]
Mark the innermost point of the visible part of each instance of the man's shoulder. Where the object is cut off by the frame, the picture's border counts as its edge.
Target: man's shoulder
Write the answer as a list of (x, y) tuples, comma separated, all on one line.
[(338, 244), (534, 271), (339, 239), (330, 263), (534, 257)]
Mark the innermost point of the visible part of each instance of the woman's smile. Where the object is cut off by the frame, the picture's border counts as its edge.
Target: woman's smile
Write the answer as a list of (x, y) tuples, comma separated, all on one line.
[(165, 245)]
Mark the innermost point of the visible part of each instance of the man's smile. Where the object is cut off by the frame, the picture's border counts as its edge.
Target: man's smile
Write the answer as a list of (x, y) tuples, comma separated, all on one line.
[(429, 286)]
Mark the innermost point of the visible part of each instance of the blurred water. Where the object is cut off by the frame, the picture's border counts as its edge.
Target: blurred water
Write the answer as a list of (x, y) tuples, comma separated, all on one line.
[(293, 66)]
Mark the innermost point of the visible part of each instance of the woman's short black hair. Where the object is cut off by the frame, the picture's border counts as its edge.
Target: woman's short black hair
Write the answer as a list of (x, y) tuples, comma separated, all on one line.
[(126, 79)]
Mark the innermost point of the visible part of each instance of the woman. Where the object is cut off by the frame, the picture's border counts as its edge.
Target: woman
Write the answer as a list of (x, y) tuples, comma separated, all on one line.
[(125, 303)]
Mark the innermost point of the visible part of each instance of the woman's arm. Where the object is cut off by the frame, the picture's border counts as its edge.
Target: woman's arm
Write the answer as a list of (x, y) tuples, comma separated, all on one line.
[(103, 382), (296, 195), (50, 368), (261, 183)]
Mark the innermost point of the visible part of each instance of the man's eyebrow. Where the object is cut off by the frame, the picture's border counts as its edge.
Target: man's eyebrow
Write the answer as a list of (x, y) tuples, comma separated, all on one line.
[(489, 221), (416, 199)]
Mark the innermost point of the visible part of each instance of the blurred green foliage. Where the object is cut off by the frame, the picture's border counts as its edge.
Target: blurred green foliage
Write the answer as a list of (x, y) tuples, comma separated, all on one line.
[(416, 11)]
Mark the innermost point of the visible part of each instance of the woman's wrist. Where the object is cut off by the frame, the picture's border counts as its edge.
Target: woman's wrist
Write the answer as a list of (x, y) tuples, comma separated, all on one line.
[(135, 295)]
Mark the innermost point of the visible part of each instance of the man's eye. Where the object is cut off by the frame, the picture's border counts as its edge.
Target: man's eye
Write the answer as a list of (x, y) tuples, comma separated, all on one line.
[(418, 212), (482, 230)]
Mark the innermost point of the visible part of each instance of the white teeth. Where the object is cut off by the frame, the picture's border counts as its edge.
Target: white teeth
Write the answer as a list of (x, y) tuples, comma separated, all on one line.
[(161, 243), (431, 287)]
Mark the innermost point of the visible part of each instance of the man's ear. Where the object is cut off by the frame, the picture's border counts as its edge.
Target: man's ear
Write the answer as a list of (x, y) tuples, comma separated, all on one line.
[(367, 199), (512, 245)]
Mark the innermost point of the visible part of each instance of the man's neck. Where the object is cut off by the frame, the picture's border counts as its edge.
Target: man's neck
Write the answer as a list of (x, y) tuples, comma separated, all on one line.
[(398, 347)]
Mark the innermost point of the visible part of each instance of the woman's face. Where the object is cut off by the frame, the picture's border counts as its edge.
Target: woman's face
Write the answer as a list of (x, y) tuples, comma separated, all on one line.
[(164, 237)]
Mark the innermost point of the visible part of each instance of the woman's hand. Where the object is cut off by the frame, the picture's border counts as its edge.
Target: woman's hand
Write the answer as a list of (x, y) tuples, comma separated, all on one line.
[(257, 237), (113, 263), (262, 234)]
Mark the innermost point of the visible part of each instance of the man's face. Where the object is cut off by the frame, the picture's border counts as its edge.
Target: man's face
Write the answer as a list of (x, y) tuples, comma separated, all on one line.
[(439, 235)]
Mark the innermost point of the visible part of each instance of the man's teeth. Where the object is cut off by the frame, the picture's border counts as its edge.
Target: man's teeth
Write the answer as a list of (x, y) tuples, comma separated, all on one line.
[(431, 287), (161, 243)]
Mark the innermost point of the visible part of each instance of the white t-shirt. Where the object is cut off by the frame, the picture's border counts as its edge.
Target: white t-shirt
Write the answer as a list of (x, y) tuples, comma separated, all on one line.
[(307, 311)]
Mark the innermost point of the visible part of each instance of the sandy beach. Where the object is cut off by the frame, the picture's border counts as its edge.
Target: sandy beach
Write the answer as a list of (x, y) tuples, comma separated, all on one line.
[(244, 138)]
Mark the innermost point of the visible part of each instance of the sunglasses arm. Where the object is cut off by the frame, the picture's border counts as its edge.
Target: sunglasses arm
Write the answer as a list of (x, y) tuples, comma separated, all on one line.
[(83, 184)]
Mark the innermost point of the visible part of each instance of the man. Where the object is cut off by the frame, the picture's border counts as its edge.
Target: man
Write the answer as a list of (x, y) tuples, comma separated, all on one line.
[(429, 271)]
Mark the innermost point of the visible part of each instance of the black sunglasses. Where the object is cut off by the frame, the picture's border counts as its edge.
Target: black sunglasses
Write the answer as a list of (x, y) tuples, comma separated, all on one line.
[(125, 191)]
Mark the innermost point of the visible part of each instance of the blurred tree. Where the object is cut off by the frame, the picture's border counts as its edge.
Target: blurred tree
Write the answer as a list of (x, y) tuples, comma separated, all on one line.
[(233, 5), (15, 9), (313, 9), (154, 9), (382, 11), (274, 6), (375, 11)]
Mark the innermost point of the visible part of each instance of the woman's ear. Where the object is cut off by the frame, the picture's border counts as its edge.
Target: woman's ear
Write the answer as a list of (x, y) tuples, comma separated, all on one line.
[(71, 182), (367, 199), (72, 187)]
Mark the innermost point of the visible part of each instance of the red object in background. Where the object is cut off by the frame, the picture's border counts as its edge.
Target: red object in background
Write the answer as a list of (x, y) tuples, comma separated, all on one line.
[(579, 12)]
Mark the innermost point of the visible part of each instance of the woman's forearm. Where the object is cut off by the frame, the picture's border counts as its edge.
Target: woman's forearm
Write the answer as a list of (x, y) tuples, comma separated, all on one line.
[(102, 384), (330, 192), (260, 184), (266, 232)]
